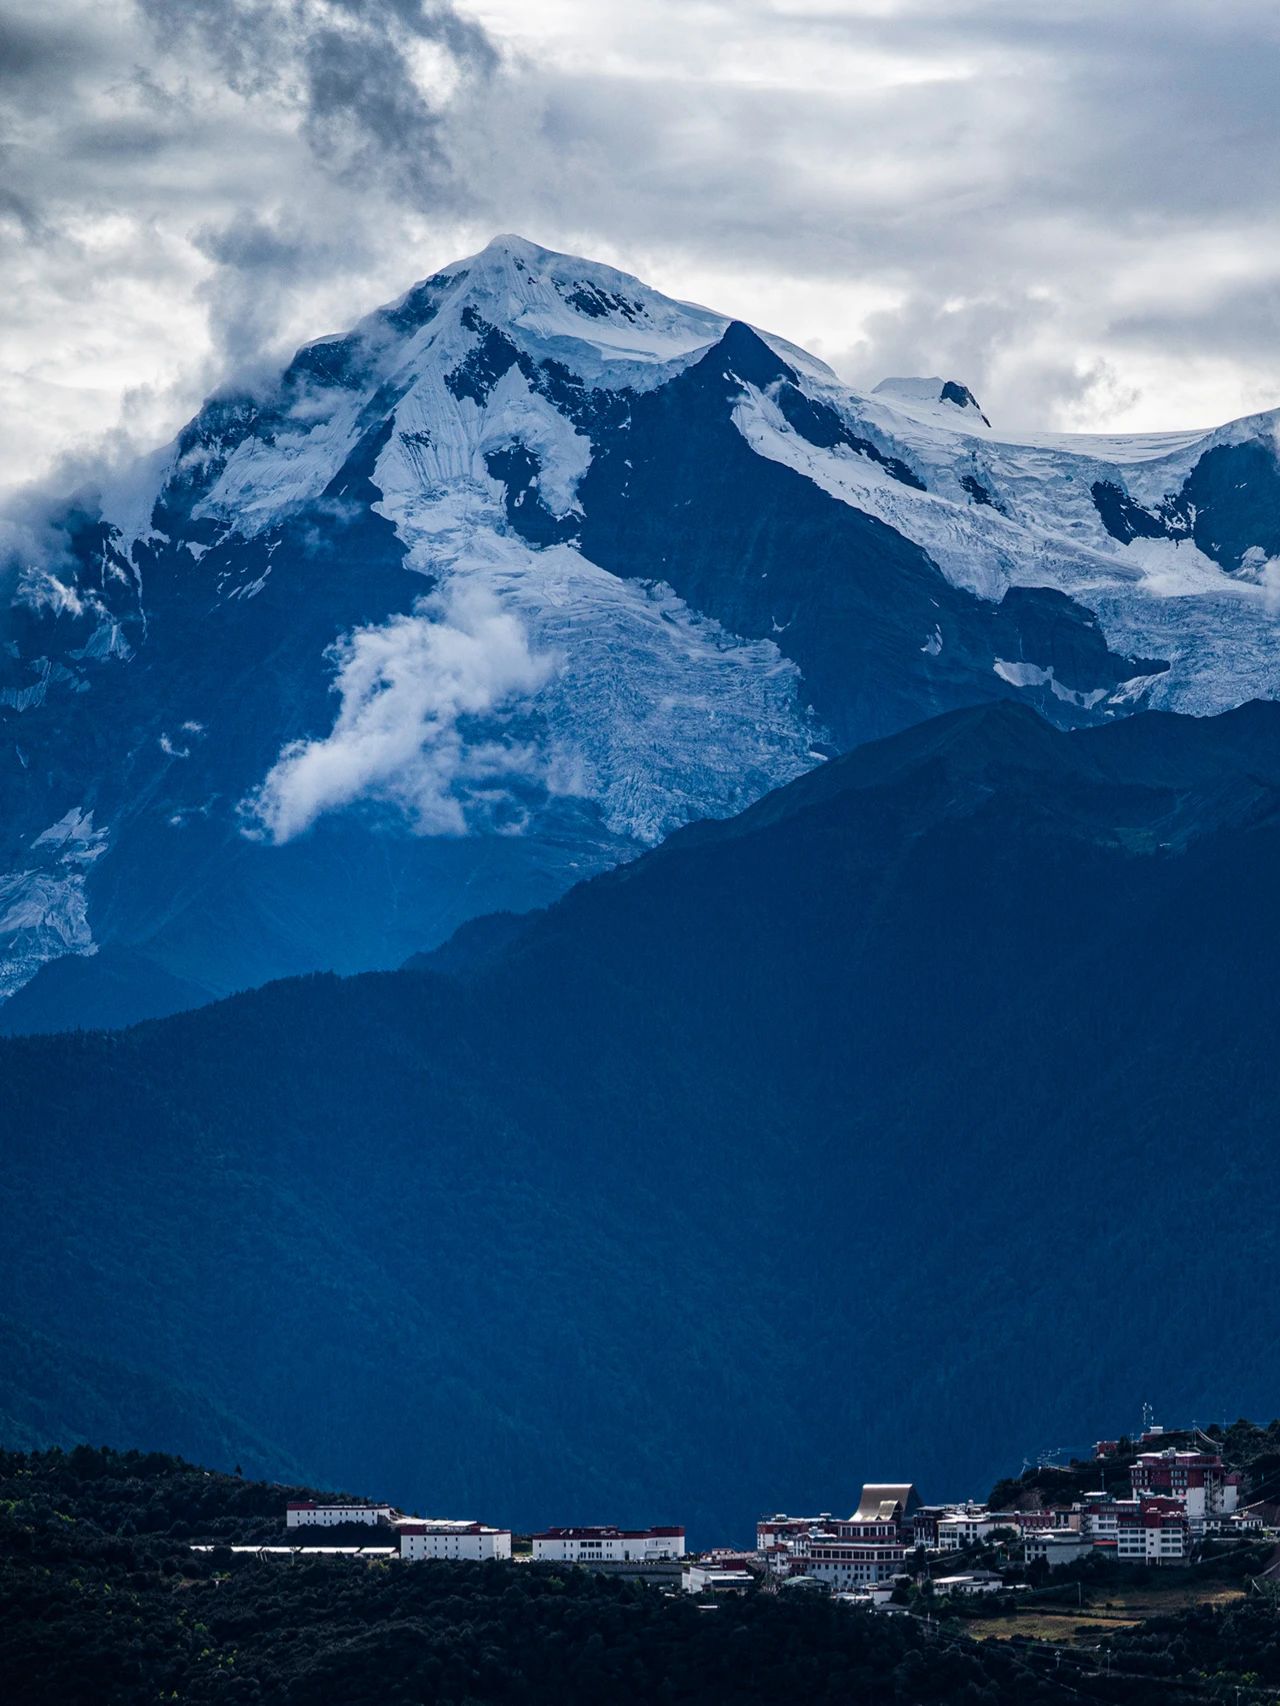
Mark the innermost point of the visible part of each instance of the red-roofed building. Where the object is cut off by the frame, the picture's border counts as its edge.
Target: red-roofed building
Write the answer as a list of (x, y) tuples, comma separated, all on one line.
[(1198, 1480), (1158, 1532), (846, 1564), (869, 1546), (1042, 1521)]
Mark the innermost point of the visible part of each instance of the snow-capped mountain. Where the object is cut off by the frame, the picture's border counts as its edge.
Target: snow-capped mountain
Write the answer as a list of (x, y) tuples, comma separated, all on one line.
[(526, 570)]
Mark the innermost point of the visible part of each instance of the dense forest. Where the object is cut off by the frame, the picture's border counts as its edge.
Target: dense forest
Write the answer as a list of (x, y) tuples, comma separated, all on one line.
[(102, 1603), (846, 1120)]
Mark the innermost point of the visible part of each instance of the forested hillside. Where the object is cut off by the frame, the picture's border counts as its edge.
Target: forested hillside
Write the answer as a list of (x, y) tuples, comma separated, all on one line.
[(907, 1123), (102, 1603)]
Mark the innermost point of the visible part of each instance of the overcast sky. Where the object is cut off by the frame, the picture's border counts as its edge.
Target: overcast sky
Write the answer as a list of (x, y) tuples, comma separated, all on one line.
[(1072, 207)]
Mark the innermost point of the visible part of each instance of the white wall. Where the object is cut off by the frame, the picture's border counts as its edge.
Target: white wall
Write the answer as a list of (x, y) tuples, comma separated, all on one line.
[(698, 1579), (332, 1516), (456, 1543), (955, 1532), (609, 1549)]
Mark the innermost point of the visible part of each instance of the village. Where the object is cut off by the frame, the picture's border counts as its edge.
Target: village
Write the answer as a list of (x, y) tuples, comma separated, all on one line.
[(1179, 1497)]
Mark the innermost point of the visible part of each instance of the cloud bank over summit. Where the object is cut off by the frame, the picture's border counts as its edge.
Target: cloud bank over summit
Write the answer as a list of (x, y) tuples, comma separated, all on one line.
[(902, 187)]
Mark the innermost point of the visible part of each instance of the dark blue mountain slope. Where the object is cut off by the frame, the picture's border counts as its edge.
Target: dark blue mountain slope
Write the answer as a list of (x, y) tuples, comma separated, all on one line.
[(675, 492), (916, 1118), (495, 589), (56, 1395)]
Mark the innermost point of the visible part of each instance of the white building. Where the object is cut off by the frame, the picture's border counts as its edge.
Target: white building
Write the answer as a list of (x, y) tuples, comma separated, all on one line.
[(845, 1564), (977, 1581), (608, 1545), (1056, 1546), (876, 1595), (308, 1515), (714, 1578), (968, 1527), (432, 1537), (1158, 1532)]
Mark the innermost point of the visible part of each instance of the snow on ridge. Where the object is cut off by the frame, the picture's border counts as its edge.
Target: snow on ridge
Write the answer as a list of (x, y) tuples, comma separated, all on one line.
[(980, 553), (997, 512), (602, 324), (1040, 526), (600, 687), (1157, 598), (926, 401), (612, 329), (605, 325), (1020, 674), (44, 906)]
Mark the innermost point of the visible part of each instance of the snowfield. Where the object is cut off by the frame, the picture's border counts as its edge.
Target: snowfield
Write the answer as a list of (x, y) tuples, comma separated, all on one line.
[(389, 546)]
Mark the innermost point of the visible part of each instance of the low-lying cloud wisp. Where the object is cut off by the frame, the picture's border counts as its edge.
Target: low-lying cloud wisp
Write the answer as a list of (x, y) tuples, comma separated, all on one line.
[(407, 733)]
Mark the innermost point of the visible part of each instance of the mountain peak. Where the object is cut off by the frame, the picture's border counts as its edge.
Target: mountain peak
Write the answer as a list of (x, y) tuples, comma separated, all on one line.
[(587, 312), (512, 243), (749, 357), (961, 397), (509, 249), (941, 398), (681, 560)]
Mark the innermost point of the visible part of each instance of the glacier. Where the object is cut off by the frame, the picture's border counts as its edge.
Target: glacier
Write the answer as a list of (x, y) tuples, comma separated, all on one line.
[(527, 569)]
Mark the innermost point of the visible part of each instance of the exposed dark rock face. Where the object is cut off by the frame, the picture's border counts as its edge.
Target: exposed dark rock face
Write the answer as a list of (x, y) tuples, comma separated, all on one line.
[(1229, 504), (535, 411)]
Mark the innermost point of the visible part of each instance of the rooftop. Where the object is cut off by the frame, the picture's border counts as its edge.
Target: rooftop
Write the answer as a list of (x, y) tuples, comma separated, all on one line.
[(610, 1534), (334, 1505), (882, 1500)]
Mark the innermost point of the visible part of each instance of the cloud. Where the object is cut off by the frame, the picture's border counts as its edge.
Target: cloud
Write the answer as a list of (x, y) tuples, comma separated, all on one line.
[(404, 734), (1264, 572), (36, 549), (1009, 342), (369, 81), (1071, 208), (259, 262), (190, 189)]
